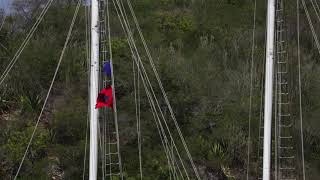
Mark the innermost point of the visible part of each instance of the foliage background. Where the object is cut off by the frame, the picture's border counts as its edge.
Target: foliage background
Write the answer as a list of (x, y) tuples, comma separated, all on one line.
[(202, 51)]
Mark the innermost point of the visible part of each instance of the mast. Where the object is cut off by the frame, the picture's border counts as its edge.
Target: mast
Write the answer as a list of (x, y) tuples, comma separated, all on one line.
[(94, 85), (268, 90)]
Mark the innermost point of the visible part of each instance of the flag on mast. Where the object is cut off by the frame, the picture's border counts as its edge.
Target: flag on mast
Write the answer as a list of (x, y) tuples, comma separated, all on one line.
[(105, 98)]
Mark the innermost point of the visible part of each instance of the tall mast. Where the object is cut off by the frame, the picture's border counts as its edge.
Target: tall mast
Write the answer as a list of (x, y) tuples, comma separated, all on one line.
[(268, 90), (94, 85)]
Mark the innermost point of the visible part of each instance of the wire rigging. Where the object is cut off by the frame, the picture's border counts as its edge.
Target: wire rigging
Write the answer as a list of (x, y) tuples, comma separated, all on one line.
[(300, 91), (51, 85), (4, 15), (316, 8), (108, 131), (251, 87), (162, 90), (87, 21), (136, 85), (113, 92), (154, 111), (25, 42), (314, 34), (145, 79), (261, 120)]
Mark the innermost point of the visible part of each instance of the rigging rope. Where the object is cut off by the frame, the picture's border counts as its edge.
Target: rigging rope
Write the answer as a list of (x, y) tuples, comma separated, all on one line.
[(251, 88), (277, 99), (25, 42), (149, 84), (51, 85), (316, 8), (126, 28), (314, 34), (115, 114), (137, 98), (261, 120), (154, 111), (162, 90), (137, 106), (4, 16), (103, 119), (300, 89), (162, 134), (87, 15)]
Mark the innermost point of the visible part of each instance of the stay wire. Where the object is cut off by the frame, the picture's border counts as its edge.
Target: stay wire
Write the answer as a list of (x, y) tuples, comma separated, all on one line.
[(152, 91), (51, 85), (2, 23), (276, 118), (316, 8), (115, 114), (314, 34), (169, 131), (161, 131), (4, 15), (261, 120), (25, 42), (88, 72), (100, 148), (123, 21), (103, 56), (137, 104), (163, 91), (300, 91), (251, 88), (131, 44)]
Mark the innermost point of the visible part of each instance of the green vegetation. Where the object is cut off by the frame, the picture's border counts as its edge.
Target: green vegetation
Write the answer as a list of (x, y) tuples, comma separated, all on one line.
[(202, 50)]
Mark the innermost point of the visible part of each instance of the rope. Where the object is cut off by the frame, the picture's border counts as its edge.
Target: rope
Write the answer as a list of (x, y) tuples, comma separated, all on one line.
[(25, 42), (51, 85), (162, 90), (113, 92), (137, 105), (88, 70), (277, 99), (103, 56), (154, 111), (314, 34), (176, 165), (251, 87), (300, 89), (132, 45), (100, 148), (137, 98), (4, 16), (162, 134), (316, 8), (131, 41), (261, 98)]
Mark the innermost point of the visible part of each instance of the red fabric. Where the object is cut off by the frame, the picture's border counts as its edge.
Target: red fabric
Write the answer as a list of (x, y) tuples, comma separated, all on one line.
[(105, 98)]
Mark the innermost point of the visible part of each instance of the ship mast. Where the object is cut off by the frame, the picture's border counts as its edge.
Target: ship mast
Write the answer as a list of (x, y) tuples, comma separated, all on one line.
[(268, 90), (94, 85)]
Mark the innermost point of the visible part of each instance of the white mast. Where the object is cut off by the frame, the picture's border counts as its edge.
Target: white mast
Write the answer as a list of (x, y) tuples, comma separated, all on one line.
[(268, 90), (94, 85)]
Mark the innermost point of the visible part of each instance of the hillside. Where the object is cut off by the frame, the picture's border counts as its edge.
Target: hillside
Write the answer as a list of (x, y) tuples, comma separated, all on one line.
[(202, 51)]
